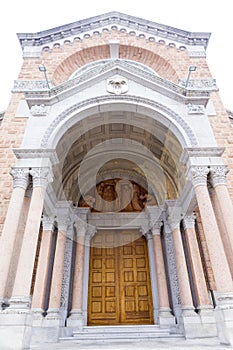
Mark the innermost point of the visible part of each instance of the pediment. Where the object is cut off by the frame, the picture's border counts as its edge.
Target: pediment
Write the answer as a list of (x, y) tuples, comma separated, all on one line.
[(113, 20), (109, 70)]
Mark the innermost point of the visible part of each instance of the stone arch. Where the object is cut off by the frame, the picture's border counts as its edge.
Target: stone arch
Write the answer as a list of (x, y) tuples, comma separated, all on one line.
[(165, 116), (137, 53)]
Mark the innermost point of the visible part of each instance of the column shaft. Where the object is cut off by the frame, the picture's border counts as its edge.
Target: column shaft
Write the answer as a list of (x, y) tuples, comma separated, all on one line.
[(185, 291), (58, 265), (23, 278), (78, 275), (161, 276), (196, 267), (217, 255), (7, 241), (38, 298)]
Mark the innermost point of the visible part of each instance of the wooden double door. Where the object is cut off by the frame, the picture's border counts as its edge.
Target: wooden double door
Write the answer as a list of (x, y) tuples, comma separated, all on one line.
[(119, 279)]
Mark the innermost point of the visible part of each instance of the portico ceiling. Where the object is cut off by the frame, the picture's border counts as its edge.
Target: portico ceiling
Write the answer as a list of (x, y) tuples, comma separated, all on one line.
[(117, 146)]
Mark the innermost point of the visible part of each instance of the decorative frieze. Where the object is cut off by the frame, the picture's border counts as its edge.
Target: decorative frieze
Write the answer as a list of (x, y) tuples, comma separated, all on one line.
[(199, 84)]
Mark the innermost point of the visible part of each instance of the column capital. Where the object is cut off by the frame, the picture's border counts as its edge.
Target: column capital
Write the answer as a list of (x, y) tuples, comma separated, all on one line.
[(218, 175), (41, 176), (20, 177), (156, 228), (81, 227), (63, 221), (189, 221), (199, 175), (47, 222)]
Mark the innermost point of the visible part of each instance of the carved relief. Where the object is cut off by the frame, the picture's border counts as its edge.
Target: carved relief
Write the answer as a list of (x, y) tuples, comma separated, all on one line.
[(117, 86), (117, 195)]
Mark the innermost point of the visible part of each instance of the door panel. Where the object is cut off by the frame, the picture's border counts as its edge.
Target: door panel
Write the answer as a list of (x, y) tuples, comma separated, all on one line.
[(119, 280)]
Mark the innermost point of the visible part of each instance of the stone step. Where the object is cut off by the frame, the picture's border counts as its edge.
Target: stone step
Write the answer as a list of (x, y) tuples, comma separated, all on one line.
[(119, 333)]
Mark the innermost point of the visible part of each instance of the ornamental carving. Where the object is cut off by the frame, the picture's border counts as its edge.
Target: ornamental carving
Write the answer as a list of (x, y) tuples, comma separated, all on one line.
[(39, 110), (218, 175), (41, 176), (195, 109), (20, 177), (199, 175), (117, 86)]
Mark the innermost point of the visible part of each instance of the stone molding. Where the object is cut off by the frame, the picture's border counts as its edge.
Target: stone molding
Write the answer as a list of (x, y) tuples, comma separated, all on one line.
[(218, 175), (201, 152), (195, 109), (199, 175), (32, 153), (20, 177)]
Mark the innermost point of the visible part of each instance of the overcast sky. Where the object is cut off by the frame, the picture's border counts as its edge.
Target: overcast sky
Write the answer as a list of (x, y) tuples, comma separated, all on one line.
[(27, 16)]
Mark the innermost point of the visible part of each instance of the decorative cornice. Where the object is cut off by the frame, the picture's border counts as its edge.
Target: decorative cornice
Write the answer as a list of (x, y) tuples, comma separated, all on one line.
[(118, 21), (207, 152), (36, 153)]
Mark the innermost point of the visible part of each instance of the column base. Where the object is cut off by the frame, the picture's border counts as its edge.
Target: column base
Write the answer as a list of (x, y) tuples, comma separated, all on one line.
[(224, 316), (15, 330), (201, 324), (166, 317), (20, 303), (53, 317), (76, 319)]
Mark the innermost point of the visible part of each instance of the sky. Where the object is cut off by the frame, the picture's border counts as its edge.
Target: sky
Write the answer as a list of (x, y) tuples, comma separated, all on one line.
[(27, 16)]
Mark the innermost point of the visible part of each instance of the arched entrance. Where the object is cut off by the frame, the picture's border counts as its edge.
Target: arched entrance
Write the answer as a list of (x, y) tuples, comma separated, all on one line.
[(119, 279)]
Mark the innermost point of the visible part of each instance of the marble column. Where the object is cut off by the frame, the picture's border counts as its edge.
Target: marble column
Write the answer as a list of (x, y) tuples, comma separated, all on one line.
[(58, 266), (153, 276), (165, 316), (77, 318), (21, 298), (10, 228), (185, 290), (221, 271), (38, 298), (219, 183), (201, 291)]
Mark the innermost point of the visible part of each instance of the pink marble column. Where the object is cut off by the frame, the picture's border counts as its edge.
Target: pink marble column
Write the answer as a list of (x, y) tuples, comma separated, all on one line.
[(77, 317), (221, 271), (224, 202), (11, 226), (38, 298), (58, 266), (182, 272), (164, 304), (199, 281), (21, 297)]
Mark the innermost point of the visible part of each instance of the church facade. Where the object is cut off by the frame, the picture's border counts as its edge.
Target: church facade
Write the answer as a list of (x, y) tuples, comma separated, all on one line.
[(116, 214)]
